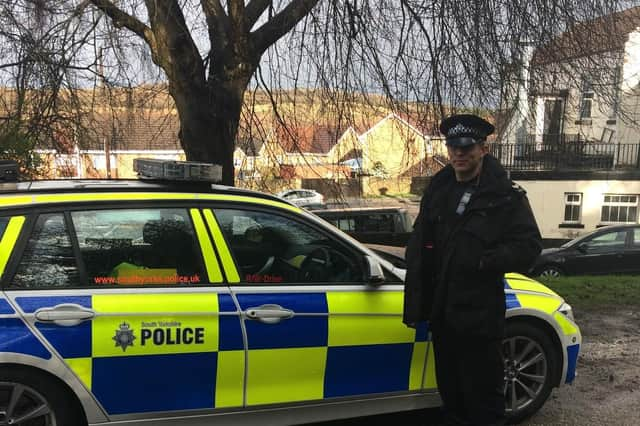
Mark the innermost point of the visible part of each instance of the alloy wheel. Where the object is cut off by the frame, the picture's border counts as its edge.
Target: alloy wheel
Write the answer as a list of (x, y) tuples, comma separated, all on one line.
[(525, 372), (24, 406), (550, 272)]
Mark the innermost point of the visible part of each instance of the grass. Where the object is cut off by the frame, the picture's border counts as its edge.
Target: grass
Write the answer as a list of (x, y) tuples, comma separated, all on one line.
[(597, 292)]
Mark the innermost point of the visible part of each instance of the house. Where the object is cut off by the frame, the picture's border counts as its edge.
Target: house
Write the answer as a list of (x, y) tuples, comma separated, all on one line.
[(106, 144), (570, 134), (385, 154)]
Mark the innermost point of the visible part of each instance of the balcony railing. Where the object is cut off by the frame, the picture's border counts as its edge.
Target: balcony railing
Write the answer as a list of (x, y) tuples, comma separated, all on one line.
[(566, 154)]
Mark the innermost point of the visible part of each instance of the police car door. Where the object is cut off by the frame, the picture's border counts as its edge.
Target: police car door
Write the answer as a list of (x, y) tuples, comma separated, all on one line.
[(315, 329), (132, 301)]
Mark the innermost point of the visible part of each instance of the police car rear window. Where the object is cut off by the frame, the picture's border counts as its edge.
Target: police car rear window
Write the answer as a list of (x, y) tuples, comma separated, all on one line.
[(129, 247), (138, 246)]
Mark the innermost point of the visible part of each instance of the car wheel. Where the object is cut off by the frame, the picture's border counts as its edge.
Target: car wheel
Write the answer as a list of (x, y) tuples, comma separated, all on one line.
[(31, 399), (550, 271), (530, 361)]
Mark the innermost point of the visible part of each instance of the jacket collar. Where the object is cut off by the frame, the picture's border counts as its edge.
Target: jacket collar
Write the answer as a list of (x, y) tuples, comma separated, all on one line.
[(493, 177)]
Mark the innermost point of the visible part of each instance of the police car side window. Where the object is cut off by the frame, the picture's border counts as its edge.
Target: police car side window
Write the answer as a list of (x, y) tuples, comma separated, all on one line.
[(3, 225), (138, 247), (274, 249), (48, 259)]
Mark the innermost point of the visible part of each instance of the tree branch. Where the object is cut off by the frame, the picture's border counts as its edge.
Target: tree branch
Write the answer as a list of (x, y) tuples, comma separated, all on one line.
[(254, 10), (217, 20), (176, 52), (122, 19), (236, 14), (281, 23)]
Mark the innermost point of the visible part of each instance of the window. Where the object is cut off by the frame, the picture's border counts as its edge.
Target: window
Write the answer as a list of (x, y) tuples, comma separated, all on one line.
[(607, 242), (272, 249), (344, 224), (3, 225), (615, 86), (636, 237), (376, 223), (138, 247), (587, 99), (572, 207), (620, 209), (48, 259)]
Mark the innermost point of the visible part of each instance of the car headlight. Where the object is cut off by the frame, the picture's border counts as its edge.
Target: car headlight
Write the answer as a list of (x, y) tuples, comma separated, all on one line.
[(566, 310)]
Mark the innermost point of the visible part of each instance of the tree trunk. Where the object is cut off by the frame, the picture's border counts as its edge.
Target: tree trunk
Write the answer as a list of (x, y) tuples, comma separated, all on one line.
[(209, 118)]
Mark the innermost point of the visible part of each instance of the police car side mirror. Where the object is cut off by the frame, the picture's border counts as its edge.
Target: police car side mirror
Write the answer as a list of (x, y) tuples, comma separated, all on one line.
[(375, 274)]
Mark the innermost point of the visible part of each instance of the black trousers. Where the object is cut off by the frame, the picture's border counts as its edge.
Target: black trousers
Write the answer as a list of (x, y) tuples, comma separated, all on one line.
[(470, 375)]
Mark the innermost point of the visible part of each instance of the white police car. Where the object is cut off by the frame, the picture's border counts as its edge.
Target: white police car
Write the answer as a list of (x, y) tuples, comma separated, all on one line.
[(178, 302)]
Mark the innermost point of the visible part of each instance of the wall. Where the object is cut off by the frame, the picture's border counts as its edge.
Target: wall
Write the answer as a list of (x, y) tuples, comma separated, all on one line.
[(372, 186), (393, 144), (547, 201)]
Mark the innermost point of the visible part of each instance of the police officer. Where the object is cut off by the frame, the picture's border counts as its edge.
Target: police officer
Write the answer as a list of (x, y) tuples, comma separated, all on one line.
[(474, 225)]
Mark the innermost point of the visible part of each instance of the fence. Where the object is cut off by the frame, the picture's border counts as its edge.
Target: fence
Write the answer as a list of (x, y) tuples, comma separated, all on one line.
[(566, 154)]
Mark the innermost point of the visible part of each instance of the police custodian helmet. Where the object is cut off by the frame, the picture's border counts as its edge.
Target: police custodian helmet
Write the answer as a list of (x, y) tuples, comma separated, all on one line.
[(465, 129)]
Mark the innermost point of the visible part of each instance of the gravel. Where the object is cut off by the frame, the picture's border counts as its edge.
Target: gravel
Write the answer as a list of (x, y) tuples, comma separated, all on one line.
[(607, 388)]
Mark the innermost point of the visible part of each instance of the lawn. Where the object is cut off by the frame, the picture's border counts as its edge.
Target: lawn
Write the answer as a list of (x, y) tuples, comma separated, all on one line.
[(603, 291)]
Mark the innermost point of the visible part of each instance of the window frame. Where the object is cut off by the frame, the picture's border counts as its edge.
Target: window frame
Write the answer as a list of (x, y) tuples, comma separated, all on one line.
[(586, 98), (300, 219), (568, 203), (619, 204)]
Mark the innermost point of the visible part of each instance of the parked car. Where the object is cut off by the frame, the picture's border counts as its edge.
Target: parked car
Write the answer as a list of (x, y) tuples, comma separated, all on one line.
[(372, 225), (613, 249), (182, 303), (302, 197)]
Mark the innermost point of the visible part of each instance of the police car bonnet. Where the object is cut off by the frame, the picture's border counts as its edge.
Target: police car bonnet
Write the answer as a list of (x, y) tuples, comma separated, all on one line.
[(465, 129)]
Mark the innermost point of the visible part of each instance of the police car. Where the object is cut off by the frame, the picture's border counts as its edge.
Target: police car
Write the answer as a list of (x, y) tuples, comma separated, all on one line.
[(169, 300)]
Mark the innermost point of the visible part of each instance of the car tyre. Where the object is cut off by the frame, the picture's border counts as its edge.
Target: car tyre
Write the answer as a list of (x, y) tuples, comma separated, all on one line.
[(550, 271), (531, 364), (29, 398)]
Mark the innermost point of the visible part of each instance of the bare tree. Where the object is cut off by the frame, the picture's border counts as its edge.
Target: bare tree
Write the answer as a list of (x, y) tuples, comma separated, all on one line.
[(420, 58)]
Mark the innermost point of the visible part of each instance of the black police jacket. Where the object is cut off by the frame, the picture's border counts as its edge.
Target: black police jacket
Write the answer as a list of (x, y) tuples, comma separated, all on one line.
[(456, 264)]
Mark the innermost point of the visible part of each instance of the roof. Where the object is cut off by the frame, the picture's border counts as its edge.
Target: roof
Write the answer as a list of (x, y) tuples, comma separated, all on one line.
[(604, 34), (361, 210), (314, 139), (125, 185), (132, 131)]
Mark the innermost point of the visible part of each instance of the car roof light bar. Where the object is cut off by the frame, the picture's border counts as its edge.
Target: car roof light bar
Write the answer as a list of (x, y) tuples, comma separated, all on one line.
[(171, 170)]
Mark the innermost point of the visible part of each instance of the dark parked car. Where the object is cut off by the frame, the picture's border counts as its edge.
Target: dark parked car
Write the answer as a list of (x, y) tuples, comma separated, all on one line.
[(613, 249), (372, 225)]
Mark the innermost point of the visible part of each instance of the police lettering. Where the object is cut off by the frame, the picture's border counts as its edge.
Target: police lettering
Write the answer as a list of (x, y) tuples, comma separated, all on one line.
[(172, 336)]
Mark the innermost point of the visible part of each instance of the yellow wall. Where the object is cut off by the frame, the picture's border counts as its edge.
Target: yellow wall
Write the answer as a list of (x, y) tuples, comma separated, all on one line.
[(396, 146)]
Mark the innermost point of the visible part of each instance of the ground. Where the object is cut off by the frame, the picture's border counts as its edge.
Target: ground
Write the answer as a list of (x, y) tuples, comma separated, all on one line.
[(607, 389), (605, 392)]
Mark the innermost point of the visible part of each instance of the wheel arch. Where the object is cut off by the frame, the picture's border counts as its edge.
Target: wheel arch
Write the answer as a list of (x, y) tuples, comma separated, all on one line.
[(88, 406), (543, 324), (48, 376)]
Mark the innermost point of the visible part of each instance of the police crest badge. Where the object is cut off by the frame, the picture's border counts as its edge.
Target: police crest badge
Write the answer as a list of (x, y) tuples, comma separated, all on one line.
[(124, 336)]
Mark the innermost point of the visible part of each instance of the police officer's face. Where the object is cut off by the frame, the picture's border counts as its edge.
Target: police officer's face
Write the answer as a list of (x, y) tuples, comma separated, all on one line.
[(466, 160)]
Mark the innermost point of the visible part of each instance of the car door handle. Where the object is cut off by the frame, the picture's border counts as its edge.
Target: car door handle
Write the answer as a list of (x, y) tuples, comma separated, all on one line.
[(269, 313), (66, 314)]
